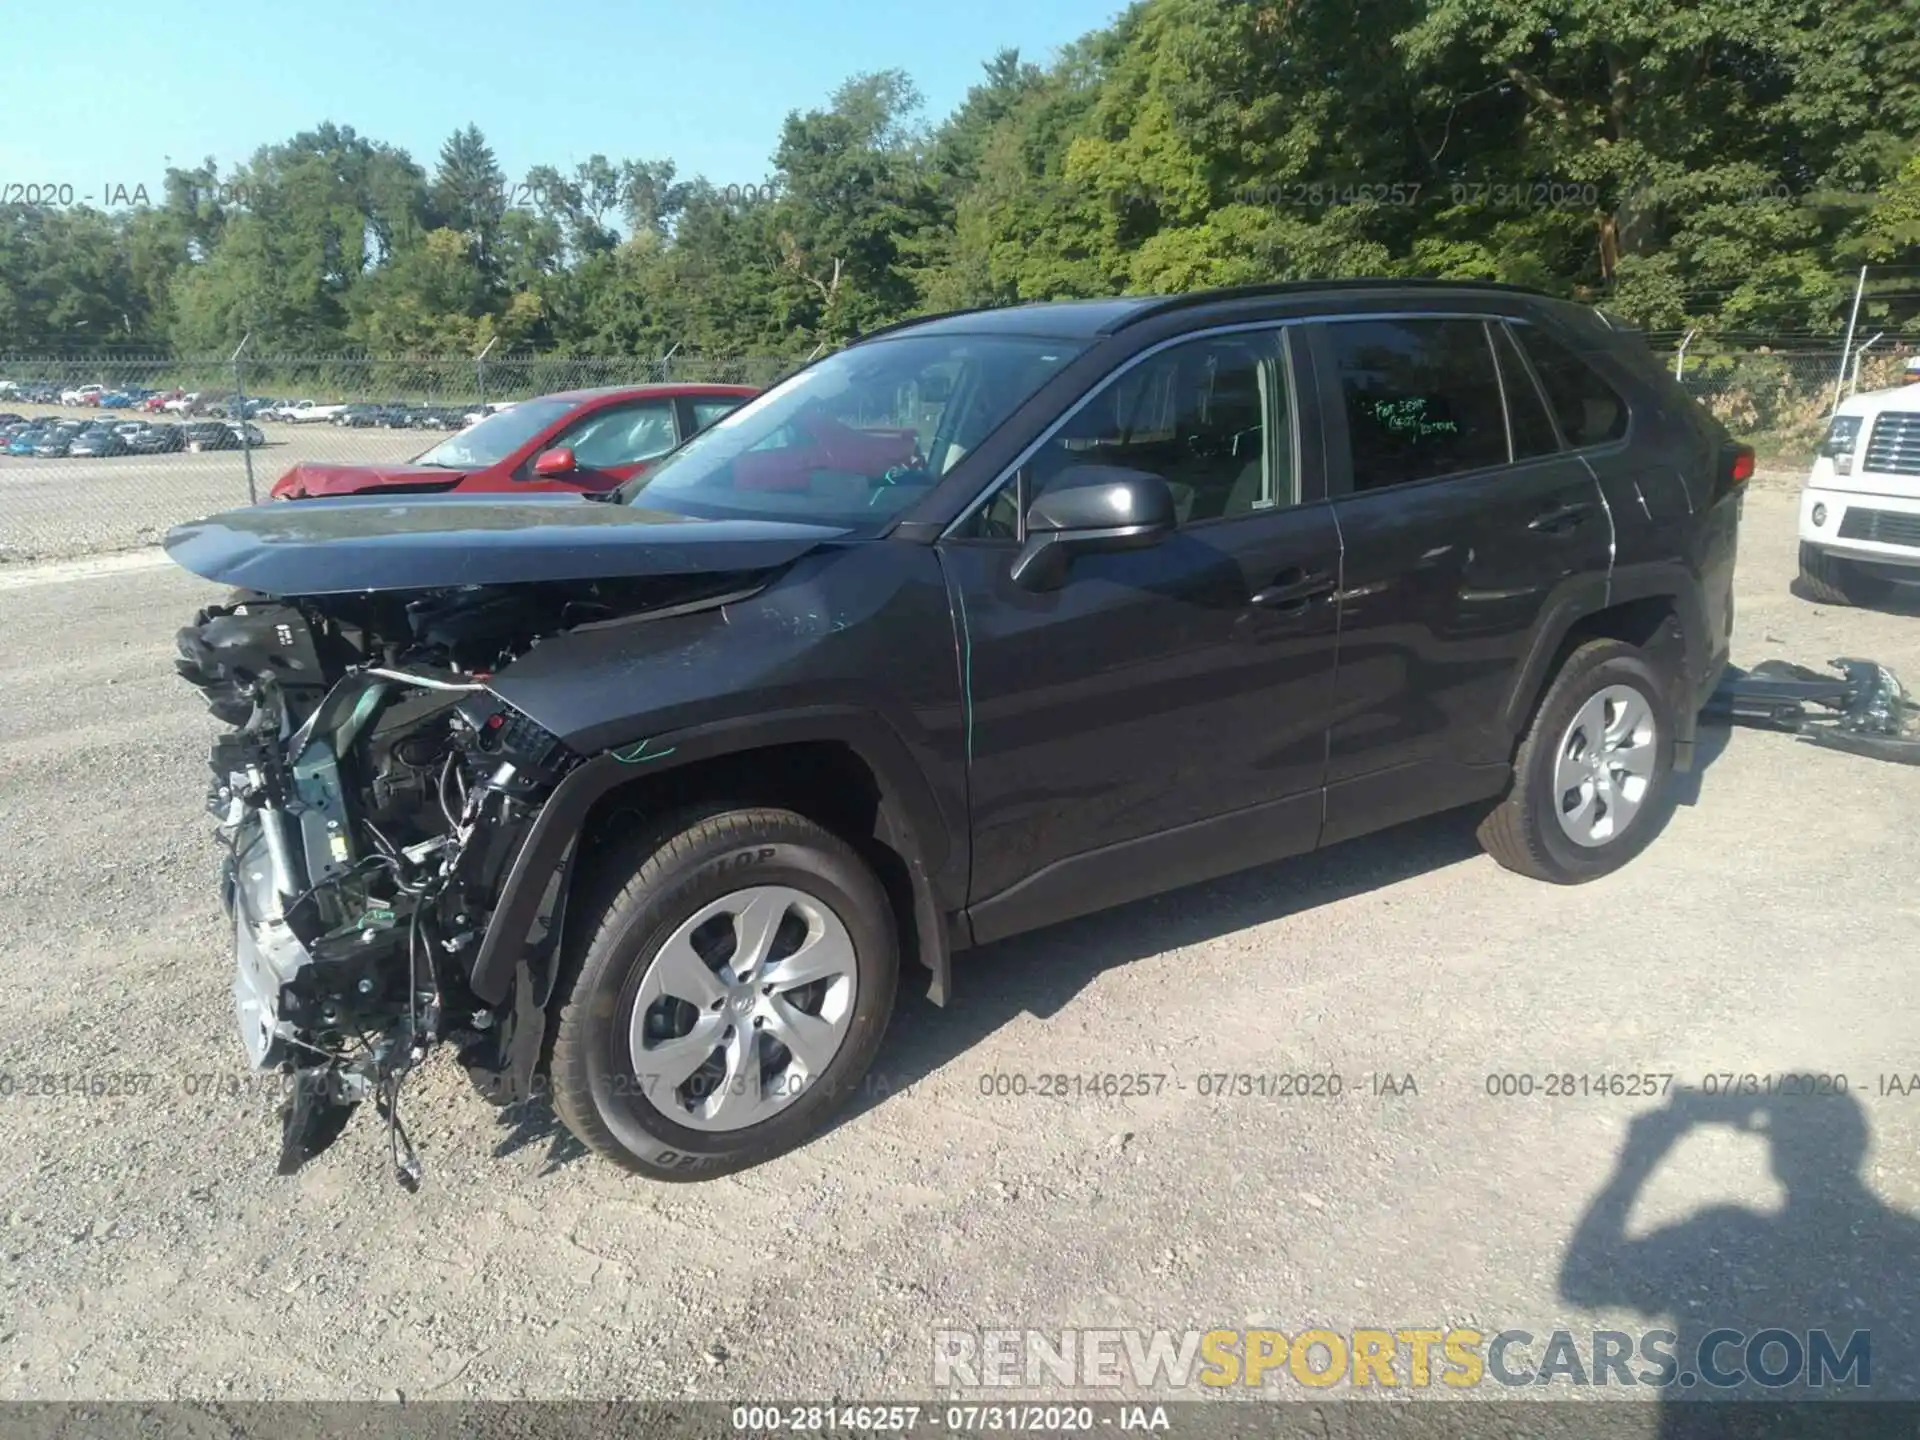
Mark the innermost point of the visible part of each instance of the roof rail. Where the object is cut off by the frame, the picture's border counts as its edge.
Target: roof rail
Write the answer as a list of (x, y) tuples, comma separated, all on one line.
[(893, 325), (1165, 304)]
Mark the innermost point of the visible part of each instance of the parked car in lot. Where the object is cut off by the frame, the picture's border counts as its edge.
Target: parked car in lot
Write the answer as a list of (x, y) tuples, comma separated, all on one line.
[(358, 417), (53, 442), (1860, 505), (25, 441), (309, 412), (98, 443), (83, 395), (252, 433), (157, 440), (577, 440), (209, 435), (1233, 575)]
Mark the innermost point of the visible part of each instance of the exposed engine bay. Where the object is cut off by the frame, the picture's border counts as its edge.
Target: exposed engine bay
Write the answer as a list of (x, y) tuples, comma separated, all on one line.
[(371, 795)]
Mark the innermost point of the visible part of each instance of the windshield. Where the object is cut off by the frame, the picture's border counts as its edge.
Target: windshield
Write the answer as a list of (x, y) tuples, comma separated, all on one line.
[(496, 437), (858, 437)]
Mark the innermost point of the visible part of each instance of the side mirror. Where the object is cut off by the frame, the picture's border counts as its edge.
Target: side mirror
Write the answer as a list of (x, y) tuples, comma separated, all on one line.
[(1091, 510), (555, 462)]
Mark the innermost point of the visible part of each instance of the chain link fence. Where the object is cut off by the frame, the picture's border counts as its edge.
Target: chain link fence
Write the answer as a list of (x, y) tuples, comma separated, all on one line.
[(193, 436), (1778, 401), (200, 435)]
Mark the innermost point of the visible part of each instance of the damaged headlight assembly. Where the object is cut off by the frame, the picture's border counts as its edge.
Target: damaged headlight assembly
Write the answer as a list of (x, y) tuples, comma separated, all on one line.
[(369, 809)]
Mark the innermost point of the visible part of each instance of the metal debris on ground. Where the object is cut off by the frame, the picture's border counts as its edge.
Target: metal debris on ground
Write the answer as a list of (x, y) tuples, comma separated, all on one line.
[(1861, 709)]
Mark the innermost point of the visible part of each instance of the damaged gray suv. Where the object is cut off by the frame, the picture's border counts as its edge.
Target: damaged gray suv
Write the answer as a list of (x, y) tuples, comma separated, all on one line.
[(643, 800)]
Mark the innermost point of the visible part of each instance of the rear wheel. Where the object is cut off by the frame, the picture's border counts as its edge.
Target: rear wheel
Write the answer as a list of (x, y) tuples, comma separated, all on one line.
[(1833, 581), (1592, 779), (735, 975)]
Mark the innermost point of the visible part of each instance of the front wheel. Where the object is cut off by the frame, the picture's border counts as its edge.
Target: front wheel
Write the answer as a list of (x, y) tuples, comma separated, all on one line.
[(1592, 779), (735, 973)]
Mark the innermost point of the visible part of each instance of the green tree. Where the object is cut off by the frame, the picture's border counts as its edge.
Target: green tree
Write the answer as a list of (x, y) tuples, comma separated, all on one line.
[(469, 192)]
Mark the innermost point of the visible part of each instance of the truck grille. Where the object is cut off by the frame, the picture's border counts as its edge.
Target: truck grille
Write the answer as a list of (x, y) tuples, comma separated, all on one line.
[(1889, 527), (1894, 446)]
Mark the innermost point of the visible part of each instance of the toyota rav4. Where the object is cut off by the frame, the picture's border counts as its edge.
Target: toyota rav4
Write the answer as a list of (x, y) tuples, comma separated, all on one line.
[(645, 800)]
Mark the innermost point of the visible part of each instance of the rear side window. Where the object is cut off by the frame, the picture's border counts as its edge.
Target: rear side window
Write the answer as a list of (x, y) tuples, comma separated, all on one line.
[(1422, 399), (1526, 412), (1589, 410)]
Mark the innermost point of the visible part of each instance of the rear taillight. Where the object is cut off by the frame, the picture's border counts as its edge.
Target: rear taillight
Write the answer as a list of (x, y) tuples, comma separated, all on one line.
[(1734, 470)]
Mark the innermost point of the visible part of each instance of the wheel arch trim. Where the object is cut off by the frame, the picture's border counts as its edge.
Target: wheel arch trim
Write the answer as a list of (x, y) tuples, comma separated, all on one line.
[(909, 822), (1587, 596)]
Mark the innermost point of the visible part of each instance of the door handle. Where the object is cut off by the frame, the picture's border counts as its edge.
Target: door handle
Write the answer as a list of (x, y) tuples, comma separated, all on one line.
[(1294, 589), (1560, 518)]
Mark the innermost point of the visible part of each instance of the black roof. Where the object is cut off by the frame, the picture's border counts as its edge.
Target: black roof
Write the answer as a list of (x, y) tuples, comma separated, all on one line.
[(1086, 319)]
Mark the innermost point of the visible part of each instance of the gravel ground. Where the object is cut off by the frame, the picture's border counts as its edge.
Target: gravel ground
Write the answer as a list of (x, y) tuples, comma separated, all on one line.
[(147, 1250), (60, 508)]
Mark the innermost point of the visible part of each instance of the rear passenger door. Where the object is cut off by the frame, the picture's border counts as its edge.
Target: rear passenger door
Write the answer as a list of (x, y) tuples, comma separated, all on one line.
[(1461, 515)]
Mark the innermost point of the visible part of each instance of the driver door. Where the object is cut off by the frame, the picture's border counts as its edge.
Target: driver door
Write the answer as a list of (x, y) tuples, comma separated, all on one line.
[(1162, 717)]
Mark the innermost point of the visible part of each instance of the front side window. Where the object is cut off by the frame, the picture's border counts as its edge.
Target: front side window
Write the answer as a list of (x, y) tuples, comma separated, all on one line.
[(1422, 399), (857, 437), (1590, 411), (495, 438), (622, 435), (1196, 414)]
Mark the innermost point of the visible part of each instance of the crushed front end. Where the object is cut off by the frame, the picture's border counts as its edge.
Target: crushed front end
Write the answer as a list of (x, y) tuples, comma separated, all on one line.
[(370, 796)]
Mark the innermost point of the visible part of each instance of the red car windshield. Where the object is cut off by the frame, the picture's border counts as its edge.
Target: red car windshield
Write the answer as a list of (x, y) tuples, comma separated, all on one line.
[(858, 437), (496, 437)]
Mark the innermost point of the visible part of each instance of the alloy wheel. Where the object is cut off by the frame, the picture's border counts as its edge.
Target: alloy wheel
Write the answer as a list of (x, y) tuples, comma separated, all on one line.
[(743, 1008), (1604, 765)]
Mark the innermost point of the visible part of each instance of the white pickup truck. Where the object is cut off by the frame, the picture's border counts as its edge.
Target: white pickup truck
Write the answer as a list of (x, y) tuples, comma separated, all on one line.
[(302, 412), (1860, 508)]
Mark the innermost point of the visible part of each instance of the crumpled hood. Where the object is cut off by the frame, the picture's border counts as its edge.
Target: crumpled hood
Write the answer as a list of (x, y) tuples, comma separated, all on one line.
[(320, 477), (366, 543)]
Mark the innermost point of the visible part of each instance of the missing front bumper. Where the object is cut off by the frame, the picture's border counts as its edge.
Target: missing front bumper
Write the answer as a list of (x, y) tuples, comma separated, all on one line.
[(1862, 709)]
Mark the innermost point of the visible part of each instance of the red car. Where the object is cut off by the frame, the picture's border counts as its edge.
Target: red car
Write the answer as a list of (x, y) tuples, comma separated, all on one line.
[(576, 440)]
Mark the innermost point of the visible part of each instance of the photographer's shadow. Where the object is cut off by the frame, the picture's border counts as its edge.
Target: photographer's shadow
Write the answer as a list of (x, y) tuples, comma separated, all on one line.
[(1835, 1258)]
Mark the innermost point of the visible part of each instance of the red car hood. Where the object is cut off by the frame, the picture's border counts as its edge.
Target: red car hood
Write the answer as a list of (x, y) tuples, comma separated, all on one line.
[(317, 477)]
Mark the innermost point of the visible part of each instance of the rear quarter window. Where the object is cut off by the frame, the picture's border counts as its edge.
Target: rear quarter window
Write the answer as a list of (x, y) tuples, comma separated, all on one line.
[(1590, 411)]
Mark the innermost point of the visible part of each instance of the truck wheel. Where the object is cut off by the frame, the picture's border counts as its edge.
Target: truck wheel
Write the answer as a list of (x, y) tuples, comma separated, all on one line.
[(734, 975), (1591, 780), (1833, 581)]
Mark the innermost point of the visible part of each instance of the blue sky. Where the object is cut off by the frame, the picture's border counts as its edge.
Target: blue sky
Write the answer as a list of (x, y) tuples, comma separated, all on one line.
[(705, 83)]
